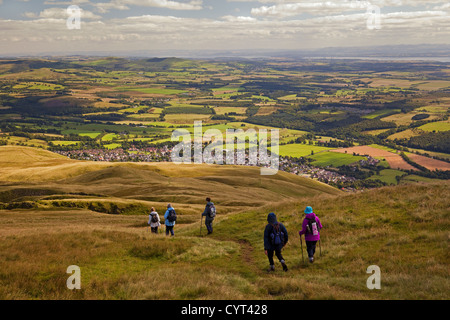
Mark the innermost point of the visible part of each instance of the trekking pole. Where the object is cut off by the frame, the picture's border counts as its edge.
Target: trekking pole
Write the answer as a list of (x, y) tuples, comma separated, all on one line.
[(320, 246), (301, 243)]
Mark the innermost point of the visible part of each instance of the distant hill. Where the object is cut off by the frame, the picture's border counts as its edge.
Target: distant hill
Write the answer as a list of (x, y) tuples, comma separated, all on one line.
[(81, 183)]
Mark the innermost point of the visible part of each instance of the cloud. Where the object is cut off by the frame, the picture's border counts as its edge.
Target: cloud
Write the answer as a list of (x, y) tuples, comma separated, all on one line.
[(316, 8), (47, 31), (168, 4), (61, 13), (238, 19)]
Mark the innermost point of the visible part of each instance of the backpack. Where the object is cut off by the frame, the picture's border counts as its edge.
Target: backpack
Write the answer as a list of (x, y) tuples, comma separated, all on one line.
[(172, 217), (212, 210), (313, 227), (154, 217), (277, 236)]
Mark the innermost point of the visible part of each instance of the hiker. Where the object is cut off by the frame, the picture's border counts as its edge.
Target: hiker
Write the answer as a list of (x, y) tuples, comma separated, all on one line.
[(154, 221), (209, 214), (275, 238), (170, 218), (311, 229)]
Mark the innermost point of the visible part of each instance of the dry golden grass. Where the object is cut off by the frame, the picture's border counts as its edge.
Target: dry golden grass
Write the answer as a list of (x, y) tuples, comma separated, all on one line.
[(404, 232), (402, 229)]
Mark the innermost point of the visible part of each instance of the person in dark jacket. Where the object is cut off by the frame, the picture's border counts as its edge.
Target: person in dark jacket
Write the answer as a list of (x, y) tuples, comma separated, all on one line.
[(207, 214), (169, 225), (275, 238)]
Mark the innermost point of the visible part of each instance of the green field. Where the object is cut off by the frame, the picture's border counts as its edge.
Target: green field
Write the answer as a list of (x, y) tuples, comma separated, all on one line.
[(388, 176), (300, 150), (162, 91), (92, 135), (380, 113), (333, 159), (112, 146), (436, 126), (38, 86), (110, 137), (65, 143)]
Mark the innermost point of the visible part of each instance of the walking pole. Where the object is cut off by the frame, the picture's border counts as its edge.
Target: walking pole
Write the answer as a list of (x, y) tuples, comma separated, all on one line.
[(301, 243), (320, 246)]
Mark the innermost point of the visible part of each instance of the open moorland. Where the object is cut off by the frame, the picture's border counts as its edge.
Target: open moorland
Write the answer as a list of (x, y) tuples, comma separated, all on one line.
[(58, 212)]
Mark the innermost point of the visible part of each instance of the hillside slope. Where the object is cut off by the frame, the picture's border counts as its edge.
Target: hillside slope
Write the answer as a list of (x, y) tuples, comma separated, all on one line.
[(402, 229), (46, 179)]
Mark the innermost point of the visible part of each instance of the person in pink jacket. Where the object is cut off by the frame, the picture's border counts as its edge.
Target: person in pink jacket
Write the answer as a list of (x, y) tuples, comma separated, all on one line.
[(311, 229)]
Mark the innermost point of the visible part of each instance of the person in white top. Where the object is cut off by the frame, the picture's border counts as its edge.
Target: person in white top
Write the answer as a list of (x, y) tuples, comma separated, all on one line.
[(154, 221)]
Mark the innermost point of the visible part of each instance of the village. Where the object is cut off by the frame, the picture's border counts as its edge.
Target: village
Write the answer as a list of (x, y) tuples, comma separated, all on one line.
[(297, 166)]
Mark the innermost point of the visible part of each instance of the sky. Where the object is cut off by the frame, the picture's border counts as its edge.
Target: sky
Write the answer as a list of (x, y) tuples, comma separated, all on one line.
[(30, 27)]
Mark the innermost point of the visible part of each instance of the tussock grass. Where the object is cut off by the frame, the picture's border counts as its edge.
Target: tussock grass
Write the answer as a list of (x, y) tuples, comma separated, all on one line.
[(402, 229)]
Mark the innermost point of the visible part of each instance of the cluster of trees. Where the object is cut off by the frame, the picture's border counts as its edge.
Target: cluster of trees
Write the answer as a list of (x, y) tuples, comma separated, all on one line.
[(336, 144), (192, 110), (106, 117), (359, 184), (225, 117), (437, 174), (414, 164), (355, 172), (421, 116), (433, 141)]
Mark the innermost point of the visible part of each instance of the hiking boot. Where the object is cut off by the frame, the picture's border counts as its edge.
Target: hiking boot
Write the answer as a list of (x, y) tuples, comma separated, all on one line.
[(311, 259), (285, 268), (272, 268)]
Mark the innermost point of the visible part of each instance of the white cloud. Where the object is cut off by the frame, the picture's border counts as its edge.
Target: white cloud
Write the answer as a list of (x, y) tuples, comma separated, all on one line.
[(169, 4), (317, 8), (238, 19), (47, 30), (60, 13)]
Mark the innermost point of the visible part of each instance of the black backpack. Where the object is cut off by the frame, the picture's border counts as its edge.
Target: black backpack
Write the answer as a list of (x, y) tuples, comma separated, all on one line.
[(154, 217), (172, 217), (277, 236), (212, 211)]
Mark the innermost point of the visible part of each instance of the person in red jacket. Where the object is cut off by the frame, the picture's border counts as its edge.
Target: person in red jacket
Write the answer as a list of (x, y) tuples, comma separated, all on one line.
[(311, 229)]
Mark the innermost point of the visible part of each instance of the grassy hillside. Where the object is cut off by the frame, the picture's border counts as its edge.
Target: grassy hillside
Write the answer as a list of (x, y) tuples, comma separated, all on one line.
[(403, 230), (43, 180)]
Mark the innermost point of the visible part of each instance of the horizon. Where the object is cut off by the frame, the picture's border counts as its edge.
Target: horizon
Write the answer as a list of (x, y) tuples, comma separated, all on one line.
[(425, 52)]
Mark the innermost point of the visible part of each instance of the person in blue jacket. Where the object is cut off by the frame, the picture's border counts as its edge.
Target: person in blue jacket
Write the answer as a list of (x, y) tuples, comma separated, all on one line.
[(169, 224), (275, 238), (207, 214)]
